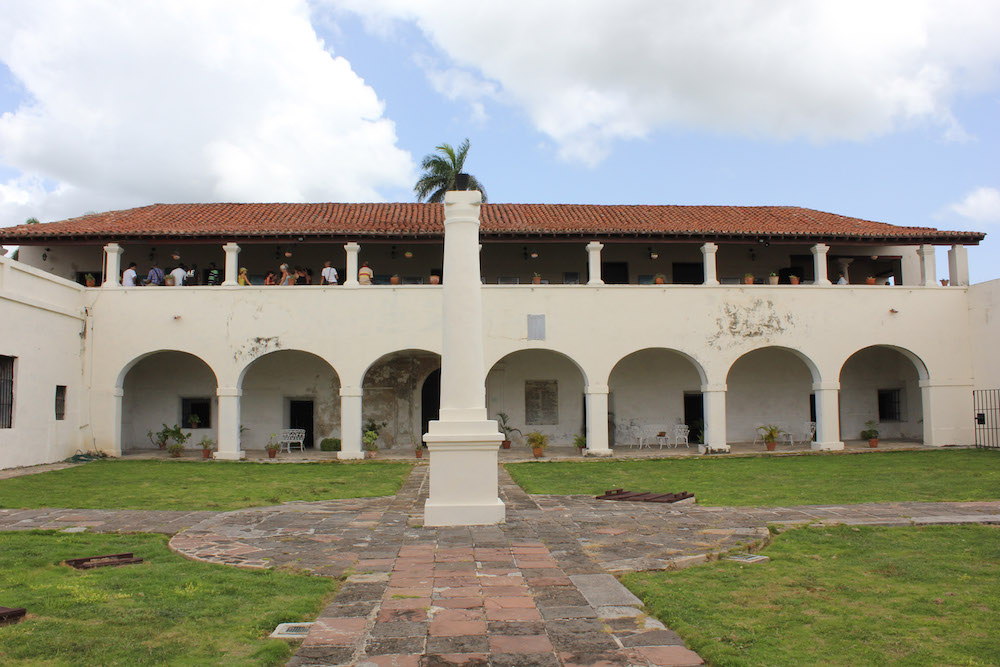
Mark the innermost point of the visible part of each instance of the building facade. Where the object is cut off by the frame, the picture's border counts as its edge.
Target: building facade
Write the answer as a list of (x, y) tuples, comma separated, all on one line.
[(580, 337)]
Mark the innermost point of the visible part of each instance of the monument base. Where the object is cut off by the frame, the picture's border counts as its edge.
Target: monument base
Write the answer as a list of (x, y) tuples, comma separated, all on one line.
[(826, 446), (464, 514), (463, 474), (231, 456)]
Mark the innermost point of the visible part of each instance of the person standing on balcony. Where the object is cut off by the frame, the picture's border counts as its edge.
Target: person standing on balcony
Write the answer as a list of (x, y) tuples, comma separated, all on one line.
[(128, 278), (213, 274), (328, 276), (365, 274), (155, 275), (286, 277), (271, 279), (841, 280), (243, 278), (193, 277), (179, 274)]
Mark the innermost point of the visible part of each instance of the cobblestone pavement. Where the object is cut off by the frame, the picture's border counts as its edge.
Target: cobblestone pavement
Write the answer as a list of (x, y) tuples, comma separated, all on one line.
[(534, 591)]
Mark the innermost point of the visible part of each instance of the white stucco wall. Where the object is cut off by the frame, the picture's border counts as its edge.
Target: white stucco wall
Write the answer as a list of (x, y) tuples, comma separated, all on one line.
[(42, 325), (769, 386), (862, 377), (984, 329), (647, 390)]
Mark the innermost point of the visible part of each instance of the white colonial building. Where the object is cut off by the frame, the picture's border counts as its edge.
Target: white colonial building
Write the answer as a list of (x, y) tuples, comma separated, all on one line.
[(579, 337)]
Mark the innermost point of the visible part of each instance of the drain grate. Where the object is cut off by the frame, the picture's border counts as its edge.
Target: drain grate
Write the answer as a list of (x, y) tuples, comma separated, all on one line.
[(293, 631), (645, 496), (109, 560), (9, 616), (749, 559)]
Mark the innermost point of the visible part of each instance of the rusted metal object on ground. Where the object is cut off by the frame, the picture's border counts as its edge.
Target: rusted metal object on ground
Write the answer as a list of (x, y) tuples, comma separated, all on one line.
[(645, 496), (109, 560), (9, 616)]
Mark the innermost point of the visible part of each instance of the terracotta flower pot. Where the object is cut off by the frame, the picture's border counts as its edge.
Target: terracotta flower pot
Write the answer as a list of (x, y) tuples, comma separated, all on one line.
[(206, 453), (271, 453), (869, 281), (657, 281), (873, 442), (505, 444), (772, 280), (748, 280), (536, 280), (435, 280), (537, 451), (369, 455), (794, 280), (394, 280), (770, 446), (419, 451)]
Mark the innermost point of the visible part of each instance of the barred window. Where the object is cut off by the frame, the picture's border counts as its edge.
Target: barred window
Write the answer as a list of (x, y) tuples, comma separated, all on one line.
[(60, 402), (890, 405), (196, 412), (6, 391)]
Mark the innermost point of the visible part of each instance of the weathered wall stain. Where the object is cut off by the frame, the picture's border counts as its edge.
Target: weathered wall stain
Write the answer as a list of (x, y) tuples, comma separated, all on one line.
[(256, 347), (759, 319), (392, 389)]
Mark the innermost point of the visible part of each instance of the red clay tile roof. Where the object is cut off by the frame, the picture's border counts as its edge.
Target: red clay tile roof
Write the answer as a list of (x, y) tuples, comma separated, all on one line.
[(345, 221)]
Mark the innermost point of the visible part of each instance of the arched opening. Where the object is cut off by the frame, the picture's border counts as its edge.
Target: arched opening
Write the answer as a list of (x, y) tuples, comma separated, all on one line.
[(394, 395), (172, 388), (881, 384), (539, 390), (289, 389), (771, 385), (430, 400), (651, 391)]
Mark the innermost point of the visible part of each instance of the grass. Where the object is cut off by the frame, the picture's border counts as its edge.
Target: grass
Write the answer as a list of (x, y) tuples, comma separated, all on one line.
[(819, 479), (166, 610), (210, 485), (842, 596)]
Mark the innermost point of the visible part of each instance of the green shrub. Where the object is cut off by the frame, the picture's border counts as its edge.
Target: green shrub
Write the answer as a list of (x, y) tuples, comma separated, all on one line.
[(329, 445)]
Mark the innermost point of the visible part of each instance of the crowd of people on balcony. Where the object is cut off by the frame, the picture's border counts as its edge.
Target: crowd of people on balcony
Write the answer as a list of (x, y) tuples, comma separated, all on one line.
[(180, 275)]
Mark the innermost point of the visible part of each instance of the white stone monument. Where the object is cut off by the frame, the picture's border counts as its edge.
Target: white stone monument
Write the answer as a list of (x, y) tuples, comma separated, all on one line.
[(463, 443)]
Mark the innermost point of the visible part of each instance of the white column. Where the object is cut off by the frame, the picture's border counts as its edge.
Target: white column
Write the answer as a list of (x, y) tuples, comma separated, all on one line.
[(827, 416), (819, 263), (463, 443), (117, 395), (597, 420), (232, 263), (928, 268), (350, 423), (958, 266), (229, 424), (112, 265), (594, 263), (351, 279), (713, 398), (845, 267), (708, 252)]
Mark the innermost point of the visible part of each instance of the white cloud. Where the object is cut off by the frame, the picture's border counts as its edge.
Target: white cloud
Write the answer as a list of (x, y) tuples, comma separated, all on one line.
[(147, 101), (982, 206), (592, 72)]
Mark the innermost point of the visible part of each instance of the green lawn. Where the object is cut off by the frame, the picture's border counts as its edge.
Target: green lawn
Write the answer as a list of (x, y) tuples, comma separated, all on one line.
[(842, 596), (189, 485), (166, 610), (820, 479)]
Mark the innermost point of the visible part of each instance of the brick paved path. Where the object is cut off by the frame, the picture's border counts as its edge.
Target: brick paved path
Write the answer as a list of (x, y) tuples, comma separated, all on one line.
[(534, 591)]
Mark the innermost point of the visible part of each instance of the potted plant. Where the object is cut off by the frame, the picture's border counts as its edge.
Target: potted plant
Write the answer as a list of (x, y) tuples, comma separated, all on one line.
[(770, 434), (272, 447), (870, 280), (89, 280), (175, 449), (503, 423), (871, 433), (794, 280), (537, 441), (580, 442), (329, 445), (394, 279), (536, 279), (177, 435), (160, 437), (748, 278), (945, 281), (207, 445), (435, 279), (418, 451), (368, 443), (658, 279), (194, 420), (772, 278)]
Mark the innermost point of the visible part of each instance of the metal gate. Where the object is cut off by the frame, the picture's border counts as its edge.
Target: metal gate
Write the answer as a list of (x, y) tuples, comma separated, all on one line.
[(987, 408)]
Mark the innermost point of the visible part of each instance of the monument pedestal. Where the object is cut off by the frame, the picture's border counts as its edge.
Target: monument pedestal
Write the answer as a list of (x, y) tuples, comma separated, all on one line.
[(463, 474)]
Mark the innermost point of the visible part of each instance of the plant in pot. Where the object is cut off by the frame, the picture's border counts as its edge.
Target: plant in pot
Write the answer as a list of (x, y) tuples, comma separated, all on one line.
[(193, 420), (770, 433), (537, 441), (89, 280), (435, 279), (177, 435), (418, 450), (175, 449), (503, 423), (659, 278), (794, 280), (329, 445), (871, 433), (160, 437), (772, 278), (368, 439), (394, 279), (580, 442), (748, 279), (272, 447), (207, 445), (870, 280), (536, 279)]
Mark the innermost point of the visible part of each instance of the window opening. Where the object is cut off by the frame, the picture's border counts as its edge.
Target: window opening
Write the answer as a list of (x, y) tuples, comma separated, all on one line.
[(196, 412), (890, 405), (60, 402), (6, 391)]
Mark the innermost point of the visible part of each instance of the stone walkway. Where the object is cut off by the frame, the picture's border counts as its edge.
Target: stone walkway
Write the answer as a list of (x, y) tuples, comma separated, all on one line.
[(534, 591)]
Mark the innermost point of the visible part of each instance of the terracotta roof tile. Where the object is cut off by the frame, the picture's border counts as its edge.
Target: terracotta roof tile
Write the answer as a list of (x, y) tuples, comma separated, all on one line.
[(247, 221)]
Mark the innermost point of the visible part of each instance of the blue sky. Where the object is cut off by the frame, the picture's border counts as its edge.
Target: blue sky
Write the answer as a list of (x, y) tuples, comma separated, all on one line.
[(883, 110)]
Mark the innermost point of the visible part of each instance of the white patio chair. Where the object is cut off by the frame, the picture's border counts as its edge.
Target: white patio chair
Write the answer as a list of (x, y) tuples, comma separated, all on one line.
[(681, 432), (290, 437)]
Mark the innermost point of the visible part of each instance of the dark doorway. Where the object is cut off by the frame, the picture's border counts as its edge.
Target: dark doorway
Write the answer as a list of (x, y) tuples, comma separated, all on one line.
[(300, 415), (694, 416), (430, 400), (688, 273), (614, 273)]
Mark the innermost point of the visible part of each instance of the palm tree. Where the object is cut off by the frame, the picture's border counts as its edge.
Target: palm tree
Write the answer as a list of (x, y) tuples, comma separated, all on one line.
[(440, 171)]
